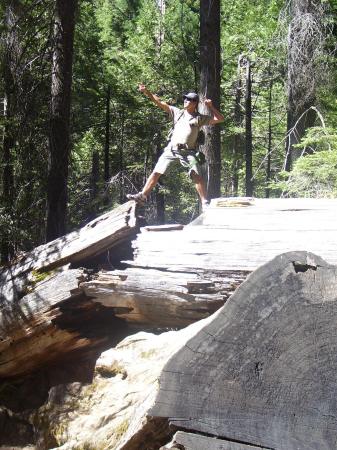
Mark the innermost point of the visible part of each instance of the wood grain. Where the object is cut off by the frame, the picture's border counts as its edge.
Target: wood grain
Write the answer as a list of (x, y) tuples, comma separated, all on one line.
[(190, 441), (263, 371), (98, 235), (160, 298), (243, 238)]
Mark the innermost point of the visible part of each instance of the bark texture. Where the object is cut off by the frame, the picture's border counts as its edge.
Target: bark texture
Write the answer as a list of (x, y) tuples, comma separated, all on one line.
[(306, 45), (59, 135), (210, 88), (10, 53)]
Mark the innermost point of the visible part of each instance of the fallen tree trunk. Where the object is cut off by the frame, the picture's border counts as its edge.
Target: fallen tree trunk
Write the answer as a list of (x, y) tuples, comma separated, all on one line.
[(52, 321), (161, 298), (68, 309), (259, 373), (242, 238), (263, 371), (101, 234)]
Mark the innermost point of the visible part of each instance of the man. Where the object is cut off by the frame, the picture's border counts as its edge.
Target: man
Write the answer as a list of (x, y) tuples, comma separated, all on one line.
[(183, 140)]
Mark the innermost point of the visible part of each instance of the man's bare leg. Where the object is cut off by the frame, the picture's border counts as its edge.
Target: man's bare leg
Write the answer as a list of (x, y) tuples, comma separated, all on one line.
[(150, 183), (200, 186), (141, 197)]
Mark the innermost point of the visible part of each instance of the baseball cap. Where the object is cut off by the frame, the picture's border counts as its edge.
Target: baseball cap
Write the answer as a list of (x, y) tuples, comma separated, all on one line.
[(191, 96)]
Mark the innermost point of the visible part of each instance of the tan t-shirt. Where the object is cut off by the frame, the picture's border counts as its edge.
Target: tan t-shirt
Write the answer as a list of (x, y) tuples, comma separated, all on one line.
[(186, 126)]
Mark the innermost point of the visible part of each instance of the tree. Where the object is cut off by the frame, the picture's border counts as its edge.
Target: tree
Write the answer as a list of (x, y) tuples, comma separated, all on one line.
[(248, 130), (305, 48), (59, 137), (210, 87), (237, 141)]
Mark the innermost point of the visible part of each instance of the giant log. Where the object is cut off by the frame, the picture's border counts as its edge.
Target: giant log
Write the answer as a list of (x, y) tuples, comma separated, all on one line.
[(262, 373)]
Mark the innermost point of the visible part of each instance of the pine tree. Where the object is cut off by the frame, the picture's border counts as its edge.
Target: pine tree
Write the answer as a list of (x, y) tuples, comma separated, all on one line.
[(59, 137)]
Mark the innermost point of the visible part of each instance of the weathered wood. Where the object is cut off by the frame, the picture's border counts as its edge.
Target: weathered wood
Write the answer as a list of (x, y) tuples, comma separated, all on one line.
[(53, 320), (44, 318), (167, 227), (243, 238), (190, 441), (263, 371), (98, 235), (160, 298)]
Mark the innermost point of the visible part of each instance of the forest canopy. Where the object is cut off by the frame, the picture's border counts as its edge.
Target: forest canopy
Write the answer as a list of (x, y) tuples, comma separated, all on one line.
[(77, 135)]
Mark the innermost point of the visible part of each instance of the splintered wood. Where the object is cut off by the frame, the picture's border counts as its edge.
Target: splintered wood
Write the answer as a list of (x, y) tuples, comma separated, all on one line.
[(101, 234)]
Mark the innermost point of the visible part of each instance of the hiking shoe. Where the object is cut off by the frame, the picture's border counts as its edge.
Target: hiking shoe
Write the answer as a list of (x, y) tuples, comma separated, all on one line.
[(139, 198)]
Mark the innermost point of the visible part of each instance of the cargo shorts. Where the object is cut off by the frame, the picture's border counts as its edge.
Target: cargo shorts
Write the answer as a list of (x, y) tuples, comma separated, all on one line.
[(186, 158)]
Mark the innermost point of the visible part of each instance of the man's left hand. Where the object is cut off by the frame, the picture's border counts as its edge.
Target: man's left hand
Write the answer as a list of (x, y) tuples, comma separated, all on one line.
[(208, 102)]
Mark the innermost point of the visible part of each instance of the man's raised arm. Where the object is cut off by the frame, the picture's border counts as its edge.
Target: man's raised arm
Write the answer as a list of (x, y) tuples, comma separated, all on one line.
[(217, 116), (154, 98)]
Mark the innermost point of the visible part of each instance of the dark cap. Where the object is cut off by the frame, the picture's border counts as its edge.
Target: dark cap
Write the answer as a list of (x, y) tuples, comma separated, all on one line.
[(191, 96)]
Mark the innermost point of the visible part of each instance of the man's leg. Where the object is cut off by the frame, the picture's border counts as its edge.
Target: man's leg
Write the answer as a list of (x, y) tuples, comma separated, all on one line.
[(201, 189), (160, 168), (150, 183), (141, 197), (200, 186)]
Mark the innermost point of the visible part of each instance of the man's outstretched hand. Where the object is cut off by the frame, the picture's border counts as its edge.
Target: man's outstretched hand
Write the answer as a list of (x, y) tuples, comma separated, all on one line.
[(142, 88)]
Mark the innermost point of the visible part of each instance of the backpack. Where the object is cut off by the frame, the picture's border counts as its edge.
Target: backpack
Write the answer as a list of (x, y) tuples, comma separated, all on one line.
[(200, 157)]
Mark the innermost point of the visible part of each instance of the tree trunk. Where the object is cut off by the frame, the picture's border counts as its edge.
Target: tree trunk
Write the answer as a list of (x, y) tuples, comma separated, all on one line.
[(6, 250), (249, 136), (238, 144), (269, 134), (210, 87), (77, 248), (191, 441), (94, 181), (107, 137), (59, 134), (158, 298), (121, 155), (297, 123), (306, 43)]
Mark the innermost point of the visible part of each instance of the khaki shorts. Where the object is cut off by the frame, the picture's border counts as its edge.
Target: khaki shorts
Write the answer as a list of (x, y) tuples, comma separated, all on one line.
[(186, 158)]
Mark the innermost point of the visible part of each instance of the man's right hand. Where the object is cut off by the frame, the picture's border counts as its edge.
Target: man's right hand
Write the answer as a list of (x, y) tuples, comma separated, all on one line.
[(142, 88), (154, 98)]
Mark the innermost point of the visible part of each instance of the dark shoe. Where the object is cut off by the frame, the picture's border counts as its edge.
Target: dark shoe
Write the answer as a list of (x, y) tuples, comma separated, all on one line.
[(139, 198)]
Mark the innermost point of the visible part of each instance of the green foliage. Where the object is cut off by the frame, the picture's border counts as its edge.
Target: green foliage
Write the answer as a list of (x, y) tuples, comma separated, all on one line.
[(313, 175), (23, 52)]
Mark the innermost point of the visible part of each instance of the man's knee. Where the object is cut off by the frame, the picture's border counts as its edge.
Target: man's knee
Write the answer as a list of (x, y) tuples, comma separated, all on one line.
[(156, 175)]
